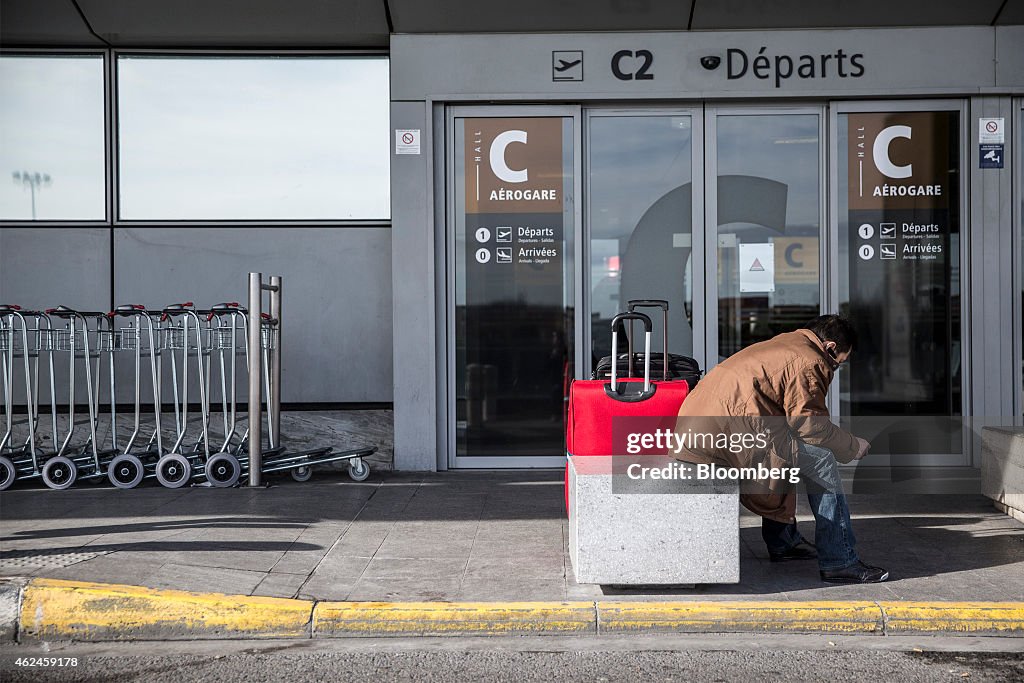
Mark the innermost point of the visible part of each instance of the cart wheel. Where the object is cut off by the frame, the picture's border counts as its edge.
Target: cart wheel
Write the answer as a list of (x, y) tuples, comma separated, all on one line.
[(302, 473), (223, 470), (7, 473), (125, 471), (358, 469), (173, 470), (59, 473)]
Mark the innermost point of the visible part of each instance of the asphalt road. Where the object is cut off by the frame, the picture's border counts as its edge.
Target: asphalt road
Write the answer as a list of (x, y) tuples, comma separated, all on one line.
[(706, 658)]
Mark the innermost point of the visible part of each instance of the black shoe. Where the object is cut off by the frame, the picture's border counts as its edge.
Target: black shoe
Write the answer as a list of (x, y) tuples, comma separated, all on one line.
[(801, 551), (858, 572)]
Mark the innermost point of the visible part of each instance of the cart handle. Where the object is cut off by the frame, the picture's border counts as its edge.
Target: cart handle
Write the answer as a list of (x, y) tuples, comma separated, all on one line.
[(9, 308), (175, 309), (226, 308), (62, 312), (126, 309)]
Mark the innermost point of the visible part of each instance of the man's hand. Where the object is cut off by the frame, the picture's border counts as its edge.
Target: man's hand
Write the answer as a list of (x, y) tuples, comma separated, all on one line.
[(863, 446)]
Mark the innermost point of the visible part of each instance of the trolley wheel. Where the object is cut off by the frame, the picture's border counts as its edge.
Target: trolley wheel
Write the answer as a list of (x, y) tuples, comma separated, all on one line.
[(125, 471), (173, 470), (59, 473), (358, 469), (7, 473), (223, 470), (302, 473)]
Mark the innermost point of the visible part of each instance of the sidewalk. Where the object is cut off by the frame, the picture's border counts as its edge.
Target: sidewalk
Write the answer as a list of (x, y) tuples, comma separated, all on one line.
[(459, 536)]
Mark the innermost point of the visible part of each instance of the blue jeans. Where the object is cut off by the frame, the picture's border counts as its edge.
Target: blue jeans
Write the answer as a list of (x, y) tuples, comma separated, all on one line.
[(833, 532)]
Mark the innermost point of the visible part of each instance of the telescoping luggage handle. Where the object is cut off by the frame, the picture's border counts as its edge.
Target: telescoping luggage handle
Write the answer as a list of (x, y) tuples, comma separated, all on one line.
[(647, 347), (652, 303)]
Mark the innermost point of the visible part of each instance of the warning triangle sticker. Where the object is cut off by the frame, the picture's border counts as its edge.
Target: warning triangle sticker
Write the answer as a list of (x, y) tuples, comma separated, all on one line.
[(756, 266)]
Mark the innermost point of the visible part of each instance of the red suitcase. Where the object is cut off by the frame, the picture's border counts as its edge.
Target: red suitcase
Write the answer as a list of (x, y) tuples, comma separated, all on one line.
[(594, 403)]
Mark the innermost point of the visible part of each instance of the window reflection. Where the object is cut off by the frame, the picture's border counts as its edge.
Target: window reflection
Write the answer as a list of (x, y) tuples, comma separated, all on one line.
[(640, 223), (51, 138), (769, 209), (253, 138)]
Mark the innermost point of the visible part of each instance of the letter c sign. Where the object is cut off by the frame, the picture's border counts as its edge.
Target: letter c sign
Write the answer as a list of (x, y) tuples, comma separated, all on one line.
[(497, 156), (880, 152), (790, 255)]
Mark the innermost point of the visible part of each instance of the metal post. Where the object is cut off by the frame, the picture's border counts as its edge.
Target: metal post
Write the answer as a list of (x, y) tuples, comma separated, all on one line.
[(274, 400), (255, 378)]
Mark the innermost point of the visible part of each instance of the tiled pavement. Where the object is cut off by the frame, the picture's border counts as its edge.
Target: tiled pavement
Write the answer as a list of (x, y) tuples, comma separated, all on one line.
[(457, 536)]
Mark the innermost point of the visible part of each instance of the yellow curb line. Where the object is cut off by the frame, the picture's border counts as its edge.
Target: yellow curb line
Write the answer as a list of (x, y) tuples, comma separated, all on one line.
[(956, 617), (736, 616), (332, 619), (96, 611), (72, 610)]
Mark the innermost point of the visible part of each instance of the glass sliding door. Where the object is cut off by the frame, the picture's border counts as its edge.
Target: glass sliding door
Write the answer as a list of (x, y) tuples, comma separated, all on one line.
[(898, 267), (1019, 189), (765, 208), (718, 211), (512, 222), (642, 200)]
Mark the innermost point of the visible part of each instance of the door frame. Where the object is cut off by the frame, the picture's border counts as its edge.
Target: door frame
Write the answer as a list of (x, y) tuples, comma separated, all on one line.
[(697, 250), (712, 112), (964, 458), (1017, 211), (453, 112)]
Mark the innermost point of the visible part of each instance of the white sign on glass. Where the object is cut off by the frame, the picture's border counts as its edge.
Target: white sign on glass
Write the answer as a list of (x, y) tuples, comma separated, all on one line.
[(757, 267)]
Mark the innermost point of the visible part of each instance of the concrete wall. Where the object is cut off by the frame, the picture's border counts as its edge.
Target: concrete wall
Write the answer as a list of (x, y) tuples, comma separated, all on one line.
[(418, 374), (1002, 469), (48, 267), (991, 337), (337, 289)]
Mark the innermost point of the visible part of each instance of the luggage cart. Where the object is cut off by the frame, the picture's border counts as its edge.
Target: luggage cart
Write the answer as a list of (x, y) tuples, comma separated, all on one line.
[(20, 349), (68, 463), (232, 462), (227, 325), (181, 335), (228, 332), (138, 337)]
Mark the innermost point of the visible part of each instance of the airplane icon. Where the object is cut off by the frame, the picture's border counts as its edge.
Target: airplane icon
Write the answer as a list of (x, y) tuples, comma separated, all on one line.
[(567, 65)]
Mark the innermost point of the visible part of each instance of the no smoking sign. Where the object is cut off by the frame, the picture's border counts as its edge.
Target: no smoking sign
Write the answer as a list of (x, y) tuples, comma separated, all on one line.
[(991, 131), (407, 141)]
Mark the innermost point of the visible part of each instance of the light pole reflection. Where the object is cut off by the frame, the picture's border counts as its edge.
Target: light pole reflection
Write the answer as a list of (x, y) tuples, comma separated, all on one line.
[(33, 181)]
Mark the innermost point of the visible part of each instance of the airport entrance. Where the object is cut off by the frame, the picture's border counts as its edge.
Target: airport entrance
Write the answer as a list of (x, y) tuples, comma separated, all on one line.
[(733, 214)]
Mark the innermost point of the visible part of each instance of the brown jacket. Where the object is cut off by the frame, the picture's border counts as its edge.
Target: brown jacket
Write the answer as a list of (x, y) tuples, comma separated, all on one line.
[(787, 376)]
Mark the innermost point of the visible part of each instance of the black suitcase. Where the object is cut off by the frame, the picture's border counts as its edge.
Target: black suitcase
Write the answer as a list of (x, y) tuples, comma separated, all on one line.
[(668, 366)]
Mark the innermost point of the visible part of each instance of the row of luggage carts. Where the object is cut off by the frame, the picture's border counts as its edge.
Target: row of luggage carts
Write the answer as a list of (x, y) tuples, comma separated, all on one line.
[(187, 356)]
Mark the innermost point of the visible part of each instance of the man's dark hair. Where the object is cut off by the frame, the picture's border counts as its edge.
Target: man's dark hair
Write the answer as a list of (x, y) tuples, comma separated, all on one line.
[(834, 328)]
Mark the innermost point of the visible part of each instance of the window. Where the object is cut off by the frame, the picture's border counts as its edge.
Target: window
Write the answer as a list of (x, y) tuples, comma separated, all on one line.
[(51, 138), (243, 138)]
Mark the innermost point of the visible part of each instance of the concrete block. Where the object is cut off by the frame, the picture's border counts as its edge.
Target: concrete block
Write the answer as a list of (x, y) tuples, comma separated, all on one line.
[(10, 607), (643, 532), (1002, 469)]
